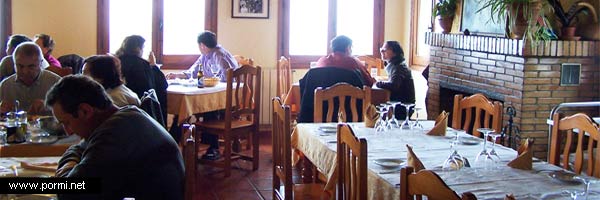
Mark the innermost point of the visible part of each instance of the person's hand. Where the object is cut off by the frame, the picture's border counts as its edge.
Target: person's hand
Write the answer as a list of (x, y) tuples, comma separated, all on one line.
[(7, 106), (152, 58), (37, 106), (170, 76), (64, 170)]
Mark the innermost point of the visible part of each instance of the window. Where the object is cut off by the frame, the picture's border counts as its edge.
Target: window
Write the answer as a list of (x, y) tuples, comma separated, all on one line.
[(310, 24), (169, 27)]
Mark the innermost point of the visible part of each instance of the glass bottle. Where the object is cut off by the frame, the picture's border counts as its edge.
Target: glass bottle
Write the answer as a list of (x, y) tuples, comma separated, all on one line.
[(200, 77)]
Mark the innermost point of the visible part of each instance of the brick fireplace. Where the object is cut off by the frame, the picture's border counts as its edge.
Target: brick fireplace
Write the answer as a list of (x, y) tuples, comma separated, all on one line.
[(512, 72)]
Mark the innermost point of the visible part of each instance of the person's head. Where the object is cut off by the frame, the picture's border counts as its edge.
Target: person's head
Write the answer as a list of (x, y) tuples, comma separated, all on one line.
[(206, 41), (391, 49), (132, 45), (76, 102), (14, 41), (45, 42), (341, 44), (105, 69), (28, 60)]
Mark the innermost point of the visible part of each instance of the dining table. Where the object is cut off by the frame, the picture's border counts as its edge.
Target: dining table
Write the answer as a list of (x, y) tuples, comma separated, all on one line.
[(21, 167), (185, 99), (486, 180)]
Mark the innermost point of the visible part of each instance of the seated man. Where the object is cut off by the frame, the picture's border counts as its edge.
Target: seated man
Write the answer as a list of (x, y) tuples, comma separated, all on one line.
[(30, 83), (342, 58), (132, 154), (47, 44), (7, 66)]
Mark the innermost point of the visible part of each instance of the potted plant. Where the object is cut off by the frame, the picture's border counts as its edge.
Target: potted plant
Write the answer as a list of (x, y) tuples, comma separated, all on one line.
[(446, 9), (569, 19)]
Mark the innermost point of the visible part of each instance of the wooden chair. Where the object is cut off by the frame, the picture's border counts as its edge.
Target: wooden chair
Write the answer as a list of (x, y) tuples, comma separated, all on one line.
[(372, 62), (351, 164), (340, 93), (426, 183), (284, 77), (243, 60), (487, 114), (283, 187), (33, 150), (581, 130), (60, 71), (241, 116), (187, 145)]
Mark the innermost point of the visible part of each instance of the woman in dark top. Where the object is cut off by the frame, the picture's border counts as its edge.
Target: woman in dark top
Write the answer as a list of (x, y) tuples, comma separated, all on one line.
[(400, 82)]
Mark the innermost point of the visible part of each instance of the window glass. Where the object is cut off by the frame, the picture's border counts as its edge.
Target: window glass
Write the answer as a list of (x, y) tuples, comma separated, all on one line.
[(183, 21), (355, 20), (308, 27), (125, 21)]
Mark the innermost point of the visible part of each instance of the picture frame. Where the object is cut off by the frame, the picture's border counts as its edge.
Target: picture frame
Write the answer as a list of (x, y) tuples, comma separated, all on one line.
[(250, 9)]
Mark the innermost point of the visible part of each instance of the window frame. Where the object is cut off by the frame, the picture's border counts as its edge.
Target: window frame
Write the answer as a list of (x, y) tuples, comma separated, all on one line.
[(168, 61), (303, 61), (5, 24)]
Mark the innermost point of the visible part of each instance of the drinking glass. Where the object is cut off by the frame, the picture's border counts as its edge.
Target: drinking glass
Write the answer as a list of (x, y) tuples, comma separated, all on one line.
[(417, 124), (484, 153), (586, 184), (380, 125), (215, 68), (455, 161), (406, 123), (393, 120), (573, 193), (494, 136)]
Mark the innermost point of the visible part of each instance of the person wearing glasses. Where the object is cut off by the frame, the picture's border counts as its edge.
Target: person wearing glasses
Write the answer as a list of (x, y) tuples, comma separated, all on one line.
[(400, 82), (341, 57)]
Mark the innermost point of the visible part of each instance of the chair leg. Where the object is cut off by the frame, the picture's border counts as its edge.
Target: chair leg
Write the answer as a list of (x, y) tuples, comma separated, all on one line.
[(227, 155), (255, 147)]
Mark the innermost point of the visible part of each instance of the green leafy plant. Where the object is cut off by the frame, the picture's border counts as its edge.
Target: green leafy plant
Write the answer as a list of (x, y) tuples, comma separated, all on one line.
[(570, 17), (444, 8)]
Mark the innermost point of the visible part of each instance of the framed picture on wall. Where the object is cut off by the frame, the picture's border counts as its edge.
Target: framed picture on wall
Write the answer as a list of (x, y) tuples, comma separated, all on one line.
[(250, 9)]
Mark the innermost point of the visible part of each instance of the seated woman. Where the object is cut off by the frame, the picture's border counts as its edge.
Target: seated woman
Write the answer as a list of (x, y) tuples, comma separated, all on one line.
[(400, 83), (106, 70)]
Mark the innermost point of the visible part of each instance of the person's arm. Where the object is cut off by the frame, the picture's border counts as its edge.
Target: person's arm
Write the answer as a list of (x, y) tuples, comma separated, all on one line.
[(70, 159), (184, 74), (395, 80)]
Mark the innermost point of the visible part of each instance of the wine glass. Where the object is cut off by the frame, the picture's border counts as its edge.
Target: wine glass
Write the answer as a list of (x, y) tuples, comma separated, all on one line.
[(215, 68), (380, 125), (417, 124), (393, 120), (455, 161), (406, 123), (586, 184), (494, 137), (484, 153), (574, 193)]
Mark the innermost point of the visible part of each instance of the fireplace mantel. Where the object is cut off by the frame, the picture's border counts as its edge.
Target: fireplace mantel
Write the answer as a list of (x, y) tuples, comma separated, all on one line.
[(511, 71)]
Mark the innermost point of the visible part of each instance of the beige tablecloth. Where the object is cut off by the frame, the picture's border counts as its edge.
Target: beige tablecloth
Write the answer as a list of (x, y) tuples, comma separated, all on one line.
[(186, 101), (320, 149)]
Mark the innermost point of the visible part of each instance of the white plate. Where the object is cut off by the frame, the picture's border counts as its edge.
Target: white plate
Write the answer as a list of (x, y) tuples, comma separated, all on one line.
[(328, 129), (563, 176), (43, 139), (389, 162), (469, 140)]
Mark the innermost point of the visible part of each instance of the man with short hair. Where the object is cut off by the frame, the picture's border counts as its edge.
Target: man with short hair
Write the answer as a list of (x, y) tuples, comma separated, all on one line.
[(341, 57), (29, 84), (131, 154), (47, 44), (7, 66)]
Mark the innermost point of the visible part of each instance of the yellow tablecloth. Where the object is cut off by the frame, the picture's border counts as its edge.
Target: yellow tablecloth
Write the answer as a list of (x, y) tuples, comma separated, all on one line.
[(320, 149), (186, 101)]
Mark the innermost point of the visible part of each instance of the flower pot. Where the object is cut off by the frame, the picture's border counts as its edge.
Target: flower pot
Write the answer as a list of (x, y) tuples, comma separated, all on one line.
[(446, 23), (568, 33)]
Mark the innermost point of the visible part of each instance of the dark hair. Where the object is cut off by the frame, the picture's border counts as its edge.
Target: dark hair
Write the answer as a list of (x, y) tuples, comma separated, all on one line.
[(340, 43), (47, 41), (132, 45), (107, 68), (395, 47), (15, 40), (209, 39), (73, 90), (28, 49)]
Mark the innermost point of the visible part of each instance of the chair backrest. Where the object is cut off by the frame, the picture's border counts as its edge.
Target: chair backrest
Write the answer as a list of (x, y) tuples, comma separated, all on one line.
[(426, 183), (351, 164), (60, 71), (372, 62), (150, 104), (576, 129), (187, 146), (243, 95), (243, 60), (322, 77), (282, 164), (476, 111), (284, 77), (72, 60), (341, 98)]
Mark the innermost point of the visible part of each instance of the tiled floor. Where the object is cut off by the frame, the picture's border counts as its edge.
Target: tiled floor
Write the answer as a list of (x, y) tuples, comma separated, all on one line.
[(243, 183)]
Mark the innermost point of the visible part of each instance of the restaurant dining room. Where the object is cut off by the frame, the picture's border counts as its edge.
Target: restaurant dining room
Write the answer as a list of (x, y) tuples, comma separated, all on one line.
[(300, 99)]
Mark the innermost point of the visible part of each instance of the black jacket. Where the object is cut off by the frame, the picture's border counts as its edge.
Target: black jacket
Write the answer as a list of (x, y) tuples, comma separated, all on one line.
[(140, 76)]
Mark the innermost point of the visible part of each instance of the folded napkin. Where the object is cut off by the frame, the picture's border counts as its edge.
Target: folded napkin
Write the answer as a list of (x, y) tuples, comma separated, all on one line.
[(412, 160), (341, 117), (371, 116), (524, 158), (441, 123), (47, 167), (510, 197)]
